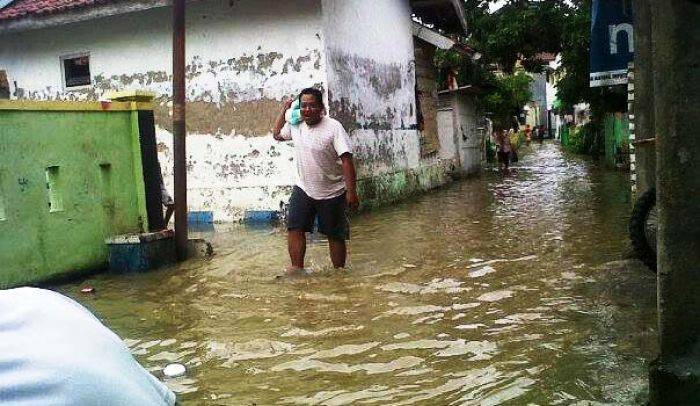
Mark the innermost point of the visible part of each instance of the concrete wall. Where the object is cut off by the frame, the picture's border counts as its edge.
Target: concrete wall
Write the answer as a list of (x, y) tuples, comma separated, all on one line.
[(470, 139), (538, 106), (371, 64), (461, 140), (65, 186), (447, 132), (243, 57)]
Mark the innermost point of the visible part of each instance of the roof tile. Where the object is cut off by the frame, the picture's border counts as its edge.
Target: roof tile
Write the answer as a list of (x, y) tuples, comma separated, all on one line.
[(28, 8)]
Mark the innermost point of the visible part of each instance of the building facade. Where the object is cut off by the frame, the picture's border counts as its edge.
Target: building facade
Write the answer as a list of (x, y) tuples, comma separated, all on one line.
[(243, 59)]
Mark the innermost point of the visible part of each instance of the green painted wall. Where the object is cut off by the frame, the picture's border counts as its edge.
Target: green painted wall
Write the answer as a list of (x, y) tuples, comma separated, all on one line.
[(68, 179), (383, 189), (616, 130)]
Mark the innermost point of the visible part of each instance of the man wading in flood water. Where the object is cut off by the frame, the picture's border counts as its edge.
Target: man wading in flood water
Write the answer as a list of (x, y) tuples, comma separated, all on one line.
[(325, 179)]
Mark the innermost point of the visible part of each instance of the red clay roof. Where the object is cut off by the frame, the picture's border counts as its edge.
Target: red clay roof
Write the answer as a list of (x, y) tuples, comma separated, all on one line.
[(28, 8)]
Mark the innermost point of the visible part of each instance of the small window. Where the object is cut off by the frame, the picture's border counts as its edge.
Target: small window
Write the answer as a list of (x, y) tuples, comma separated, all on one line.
[(76, 70), (106, 176), (3, 211)]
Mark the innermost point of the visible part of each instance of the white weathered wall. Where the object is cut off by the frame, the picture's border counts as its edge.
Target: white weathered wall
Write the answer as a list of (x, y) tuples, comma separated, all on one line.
[(371, 80), (243, 57), (447, 133), (469, 138)]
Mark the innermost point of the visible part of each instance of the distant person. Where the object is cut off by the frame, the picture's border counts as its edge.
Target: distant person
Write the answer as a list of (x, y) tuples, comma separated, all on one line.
[(502, 139), (167, 202), (325, 179), (452, 79), (528, 133), (165, 198), (53, 351)]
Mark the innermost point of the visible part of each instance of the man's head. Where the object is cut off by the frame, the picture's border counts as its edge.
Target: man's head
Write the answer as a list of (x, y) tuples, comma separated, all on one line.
[(311, 103)]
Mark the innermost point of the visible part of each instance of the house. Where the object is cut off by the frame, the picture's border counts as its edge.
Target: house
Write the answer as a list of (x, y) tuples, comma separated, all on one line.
[(370, 58)]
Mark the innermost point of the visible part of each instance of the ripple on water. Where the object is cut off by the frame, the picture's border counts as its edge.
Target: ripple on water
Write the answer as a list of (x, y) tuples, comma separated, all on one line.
[(254, 349), (371, 368), (481, 350), (438, 285), (373, 394), (415, 310), (495, 296), (318, 297), (482, 386), (481, 272), (300, 332), (469, 326), (348, 349), (519, 318)]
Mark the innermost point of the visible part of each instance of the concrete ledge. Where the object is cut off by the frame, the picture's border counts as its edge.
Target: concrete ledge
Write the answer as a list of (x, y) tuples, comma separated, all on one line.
[(141, 252), (144, 252), (258, 218), (31, 105), (673, 386), (199, 248), (138, 238), (132, 95)]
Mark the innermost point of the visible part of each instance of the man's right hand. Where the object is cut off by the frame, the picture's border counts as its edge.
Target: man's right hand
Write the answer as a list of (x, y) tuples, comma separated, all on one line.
[(279, 123)]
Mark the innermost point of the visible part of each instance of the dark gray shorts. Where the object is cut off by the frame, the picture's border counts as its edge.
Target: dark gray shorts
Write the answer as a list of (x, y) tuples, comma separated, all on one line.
[(332, 214)]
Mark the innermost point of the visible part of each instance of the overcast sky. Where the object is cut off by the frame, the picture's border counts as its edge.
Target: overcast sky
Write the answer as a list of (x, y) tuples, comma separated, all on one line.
[(495, 6)]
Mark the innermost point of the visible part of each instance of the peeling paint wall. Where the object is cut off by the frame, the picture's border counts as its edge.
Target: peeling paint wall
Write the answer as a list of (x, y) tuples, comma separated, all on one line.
[(243, 58), (371, 63), (470, 137), (426, 89)]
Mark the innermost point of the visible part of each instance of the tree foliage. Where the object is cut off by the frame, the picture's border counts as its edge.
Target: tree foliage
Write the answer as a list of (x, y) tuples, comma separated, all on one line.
[(513, 37), (510, 93), (503, 96), (523, 29), (518, 31)]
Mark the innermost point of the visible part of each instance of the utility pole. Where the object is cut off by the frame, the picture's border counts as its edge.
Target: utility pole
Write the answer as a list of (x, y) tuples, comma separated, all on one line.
[(675, 375), (179, 129), (644, 131)]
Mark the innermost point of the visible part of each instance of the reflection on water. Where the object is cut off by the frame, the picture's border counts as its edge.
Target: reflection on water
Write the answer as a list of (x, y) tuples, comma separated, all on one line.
[(494, 290)]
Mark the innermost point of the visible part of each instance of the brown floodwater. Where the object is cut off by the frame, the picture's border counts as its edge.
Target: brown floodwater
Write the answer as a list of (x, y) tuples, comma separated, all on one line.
[(494, 290)]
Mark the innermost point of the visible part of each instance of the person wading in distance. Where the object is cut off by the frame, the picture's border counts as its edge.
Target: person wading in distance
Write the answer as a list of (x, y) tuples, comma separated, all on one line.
[(325, 184)]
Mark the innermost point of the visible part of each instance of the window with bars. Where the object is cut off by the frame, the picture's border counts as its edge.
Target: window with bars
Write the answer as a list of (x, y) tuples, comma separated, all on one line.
[(76, 70)]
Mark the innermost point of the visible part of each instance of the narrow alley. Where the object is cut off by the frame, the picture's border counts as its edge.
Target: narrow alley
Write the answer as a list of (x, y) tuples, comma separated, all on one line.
[(495, 290)]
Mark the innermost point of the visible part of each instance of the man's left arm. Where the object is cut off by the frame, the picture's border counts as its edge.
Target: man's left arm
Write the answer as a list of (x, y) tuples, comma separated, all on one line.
[(350, 181)]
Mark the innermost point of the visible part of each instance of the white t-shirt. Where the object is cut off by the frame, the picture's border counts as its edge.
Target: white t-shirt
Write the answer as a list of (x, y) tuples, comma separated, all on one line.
[(53, 351), (317, 151)]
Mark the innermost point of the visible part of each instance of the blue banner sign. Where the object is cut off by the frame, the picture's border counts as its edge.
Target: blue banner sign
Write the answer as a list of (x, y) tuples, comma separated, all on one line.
[(612, 42)]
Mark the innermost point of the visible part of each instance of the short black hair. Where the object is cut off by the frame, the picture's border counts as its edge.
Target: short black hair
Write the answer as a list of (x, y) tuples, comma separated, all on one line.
[(315, 92)]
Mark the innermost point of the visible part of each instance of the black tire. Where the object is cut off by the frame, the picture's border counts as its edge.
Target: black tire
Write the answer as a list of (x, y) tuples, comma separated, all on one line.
[(644, 249)]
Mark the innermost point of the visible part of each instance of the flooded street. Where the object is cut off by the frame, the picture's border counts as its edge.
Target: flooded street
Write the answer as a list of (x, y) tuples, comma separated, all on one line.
[(495, 290)]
